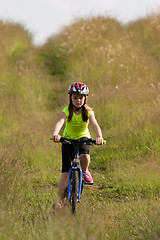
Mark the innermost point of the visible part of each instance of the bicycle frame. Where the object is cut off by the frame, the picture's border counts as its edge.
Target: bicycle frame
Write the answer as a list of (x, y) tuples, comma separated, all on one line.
[(75, 181)]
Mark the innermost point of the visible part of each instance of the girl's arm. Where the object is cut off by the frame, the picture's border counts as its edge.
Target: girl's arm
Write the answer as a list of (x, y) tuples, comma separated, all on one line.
[(58, 127), (97, 129)]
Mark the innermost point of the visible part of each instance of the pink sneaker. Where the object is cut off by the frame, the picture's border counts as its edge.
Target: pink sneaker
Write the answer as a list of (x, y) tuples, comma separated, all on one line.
[(87, 177)]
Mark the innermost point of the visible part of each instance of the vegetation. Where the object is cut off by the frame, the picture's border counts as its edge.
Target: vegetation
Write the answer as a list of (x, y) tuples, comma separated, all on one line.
[(120, 64)]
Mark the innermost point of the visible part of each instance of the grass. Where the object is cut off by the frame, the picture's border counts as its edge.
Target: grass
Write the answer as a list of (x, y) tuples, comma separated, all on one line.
[(120, 64)]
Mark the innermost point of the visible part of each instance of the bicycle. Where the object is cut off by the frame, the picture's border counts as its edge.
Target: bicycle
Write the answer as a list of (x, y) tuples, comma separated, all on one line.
[(75, 181)]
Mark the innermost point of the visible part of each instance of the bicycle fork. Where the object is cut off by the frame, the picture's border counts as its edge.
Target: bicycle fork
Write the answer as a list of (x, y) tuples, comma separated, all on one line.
[(77, 168)]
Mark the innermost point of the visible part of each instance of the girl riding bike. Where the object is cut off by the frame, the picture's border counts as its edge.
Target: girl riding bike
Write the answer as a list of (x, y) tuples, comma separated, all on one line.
[(76, 117)]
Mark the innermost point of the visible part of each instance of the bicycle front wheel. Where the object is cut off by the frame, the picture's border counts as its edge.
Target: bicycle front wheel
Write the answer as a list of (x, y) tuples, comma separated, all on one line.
[(74, 194)]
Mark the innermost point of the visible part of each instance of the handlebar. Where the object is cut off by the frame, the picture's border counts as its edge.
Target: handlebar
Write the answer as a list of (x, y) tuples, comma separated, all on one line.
[(90, 141)]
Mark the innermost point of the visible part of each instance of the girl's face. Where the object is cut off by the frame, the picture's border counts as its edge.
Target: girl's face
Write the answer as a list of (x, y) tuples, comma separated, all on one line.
[(78, 100)]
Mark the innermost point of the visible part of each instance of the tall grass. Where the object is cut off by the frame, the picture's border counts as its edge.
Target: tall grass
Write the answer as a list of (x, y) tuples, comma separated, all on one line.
[(118, 64)]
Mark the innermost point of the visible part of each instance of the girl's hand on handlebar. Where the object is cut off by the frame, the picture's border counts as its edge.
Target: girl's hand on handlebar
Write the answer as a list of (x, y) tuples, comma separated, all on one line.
[(56, 138), (99, 141)]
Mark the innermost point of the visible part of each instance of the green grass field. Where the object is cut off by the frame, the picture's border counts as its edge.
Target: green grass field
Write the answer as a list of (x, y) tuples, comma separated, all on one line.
[(120, 64)]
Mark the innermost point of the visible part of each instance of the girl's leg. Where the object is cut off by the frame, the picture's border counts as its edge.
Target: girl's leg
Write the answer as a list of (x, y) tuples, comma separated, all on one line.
[(85, 161), (63, 183)]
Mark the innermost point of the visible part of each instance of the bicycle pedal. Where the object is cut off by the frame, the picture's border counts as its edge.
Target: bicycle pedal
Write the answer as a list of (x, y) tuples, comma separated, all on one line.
[(88, 183)]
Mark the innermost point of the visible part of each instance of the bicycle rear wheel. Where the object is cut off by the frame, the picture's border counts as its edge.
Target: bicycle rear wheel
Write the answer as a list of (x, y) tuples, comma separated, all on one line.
[(75, 188)]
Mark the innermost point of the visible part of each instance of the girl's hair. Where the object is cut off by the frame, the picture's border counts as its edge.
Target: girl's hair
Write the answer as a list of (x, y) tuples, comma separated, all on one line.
[(85, 109)]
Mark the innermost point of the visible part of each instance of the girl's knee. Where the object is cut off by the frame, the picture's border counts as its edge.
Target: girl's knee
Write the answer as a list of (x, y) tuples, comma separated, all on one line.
[(84, 156)]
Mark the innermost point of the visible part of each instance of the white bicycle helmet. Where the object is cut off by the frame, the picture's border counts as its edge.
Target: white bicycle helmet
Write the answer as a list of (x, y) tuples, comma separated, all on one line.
[(78, 88)]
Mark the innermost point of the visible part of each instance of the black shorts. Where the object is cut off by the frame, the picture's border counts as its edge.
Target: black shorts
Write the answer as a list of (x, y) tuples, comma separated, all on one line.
[(68, 153)]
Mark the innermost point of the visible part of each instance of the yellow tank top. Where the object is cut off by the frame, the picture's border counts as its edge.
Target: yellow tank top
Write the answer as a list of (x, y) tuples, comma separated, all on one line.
[(76, 128)]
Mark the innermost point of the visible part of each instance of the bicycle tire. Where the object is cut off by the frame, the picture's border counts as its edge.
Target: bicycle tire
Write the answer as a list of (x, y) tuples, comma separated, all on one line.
[(74, 194)]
